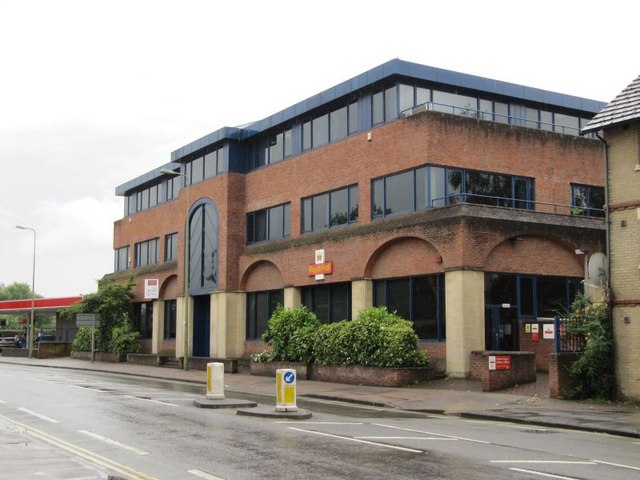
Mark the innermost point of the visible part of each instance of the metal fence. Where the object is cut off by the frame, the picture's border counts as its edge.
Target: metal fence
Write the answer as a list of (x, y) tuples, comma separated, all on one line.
[(564, 341)]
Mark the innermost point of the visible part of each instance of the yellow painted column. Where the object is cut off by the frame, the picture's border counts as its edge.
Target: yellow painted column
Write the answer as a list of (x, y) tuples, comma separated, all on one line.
[(292, 297), (157, 335), (180, 323), (228, 324), (465, 319), (361, 296)]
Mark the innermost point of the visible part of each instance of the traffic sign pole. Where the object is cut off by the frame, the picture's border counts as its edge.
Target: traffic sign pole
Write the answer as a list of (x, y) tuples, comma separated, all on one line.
[(286, 390)]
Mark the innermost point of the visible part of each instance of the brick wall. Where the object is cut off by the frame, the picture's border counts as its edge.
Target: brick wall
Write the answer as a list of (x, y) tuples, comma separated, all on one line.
[(560, 381), (543, 348), (522, 369)]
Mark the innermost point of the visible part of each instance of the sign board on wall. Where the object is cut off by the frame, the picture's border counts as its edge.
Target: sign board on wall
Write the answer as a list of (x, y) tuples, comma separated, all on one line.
[(151, 288), (499, 362), (320, 267), (548, 331), (535, 332)]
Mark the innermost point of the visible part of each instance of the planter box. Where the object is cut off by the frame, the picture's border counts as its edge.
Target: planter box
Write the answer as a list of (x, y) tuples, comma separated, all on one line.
[(100, 357), (268, 369), (353, 375), (373, 376)]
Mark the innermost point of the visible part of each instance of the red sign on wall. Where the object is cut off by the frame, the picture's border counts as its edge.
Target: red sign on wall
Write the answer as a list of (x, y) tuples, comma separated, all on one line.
[(503, 362)]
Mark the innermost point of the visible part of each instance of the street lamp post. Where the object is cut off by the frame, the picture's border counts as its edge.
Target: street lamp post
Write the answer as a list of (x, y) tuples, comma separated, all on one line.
[(185, 320), (33, 293)]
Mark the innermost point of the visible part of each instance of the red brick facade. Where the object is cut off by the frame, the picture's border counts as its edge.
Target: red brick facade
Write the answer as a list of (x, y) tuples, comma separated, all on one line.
[(461, 237)]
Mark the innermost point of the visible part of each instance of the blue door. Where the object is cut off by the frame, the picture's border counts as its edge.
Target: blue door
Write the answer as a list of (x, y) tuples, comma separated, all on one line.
[(201, 325)]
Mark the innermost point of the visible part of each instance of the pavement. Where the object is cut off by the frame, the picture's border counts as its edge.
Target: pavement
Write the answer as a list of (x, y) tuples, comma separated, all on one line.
[(526, 404)]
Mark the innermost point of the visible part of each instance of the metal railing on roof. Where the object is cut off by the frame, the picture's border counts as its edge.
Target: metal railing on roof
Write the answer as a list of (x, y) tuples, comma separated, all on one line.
[(493, 117), (516, 203)]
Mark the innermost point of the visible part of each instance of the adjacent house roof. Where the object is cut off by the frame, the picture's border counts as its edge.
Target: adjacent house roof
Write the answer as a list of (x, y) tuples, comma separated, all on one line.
[(622, 109)]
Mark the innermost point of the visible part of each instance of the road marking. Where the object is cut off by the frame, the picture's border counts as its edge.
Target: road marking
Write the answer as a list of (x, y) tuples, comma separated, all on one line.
[(129, 472), (152, 401), (557, 462), (548, 475), (320, 423), (616, 465), (409, 438), (351, 439), (430, 433), (201, 474), (42, 417), (113, 442)]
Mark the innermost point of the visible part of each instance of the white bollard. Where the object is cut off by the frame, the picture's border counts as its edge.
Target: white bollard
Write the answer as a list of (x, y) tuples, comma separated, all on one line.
[(286, 390), (215, 381)]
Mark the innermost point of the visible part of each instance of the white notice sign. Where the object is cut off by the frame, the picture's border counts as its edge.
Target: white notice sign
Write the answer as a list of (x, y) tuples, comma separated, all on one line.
[(151, 288)]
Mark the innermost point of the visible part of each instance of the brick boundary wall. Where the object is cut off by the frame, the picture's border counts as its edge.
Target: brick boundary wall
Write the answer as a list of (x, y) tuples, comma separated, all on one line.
[(560, 380), (523, 369)]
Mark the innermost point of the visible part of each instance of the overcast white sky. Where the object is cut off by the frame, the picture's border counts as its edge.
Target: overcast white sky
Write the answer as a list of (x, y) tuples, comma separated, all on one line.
[(94, 93)]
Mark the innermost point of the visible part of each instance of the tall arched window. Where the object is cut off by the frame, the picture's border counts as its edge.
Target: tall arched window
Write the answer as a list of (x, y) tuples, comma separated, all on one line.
[(203, 248)]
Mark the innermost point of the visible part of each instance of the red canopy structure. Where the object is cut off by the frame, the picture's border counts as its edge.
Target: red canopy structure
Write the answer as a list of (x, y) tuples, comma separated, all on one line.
[(48, 305)]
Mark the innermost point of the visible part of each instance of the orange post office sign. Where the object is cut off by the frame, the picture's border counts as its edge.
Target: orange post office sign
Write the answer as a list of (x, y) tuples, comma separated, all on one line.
[(325, 268)]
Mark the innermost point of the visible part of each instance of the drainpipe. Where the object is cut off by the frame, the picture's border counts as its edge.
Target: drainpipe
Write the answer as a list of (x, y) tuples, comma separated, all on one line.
[(606, 215)]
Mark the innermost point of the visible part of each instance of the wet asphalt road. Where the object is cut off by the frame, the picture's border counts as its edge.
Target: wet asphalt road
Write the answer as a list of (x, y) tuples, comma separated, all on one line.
[(86, 425)]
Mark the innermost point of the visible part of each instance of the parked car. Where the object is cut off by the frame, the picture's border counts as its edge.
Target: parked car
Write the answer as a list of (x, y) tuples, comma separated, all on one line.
[(7, 341)]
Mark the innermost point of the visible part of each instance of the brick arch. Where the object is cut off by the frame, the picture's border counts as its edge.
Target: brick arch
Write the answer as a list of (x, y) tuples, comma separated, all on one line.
[(169, 287), (536, 255), (403, 257), (261, 275)]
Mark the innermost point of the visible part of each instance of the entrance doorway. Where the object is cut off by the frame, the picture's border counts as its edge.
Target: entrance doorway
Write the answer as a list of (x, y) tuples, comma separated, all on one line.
[(201, 325), (501, 328)]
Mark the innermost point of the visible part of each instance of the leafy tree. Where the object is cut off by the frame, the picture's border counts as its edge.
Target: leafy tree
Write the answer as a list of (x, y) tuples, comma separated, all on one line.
[(22, 291), (113, 302), (15, 291), (593, 371)]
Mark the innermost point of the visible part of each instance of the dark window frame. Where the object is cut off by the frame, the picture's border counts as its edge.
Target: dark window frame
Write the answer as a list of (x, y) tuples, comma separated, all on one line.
[(457, 193), (170, 316), (307, 205), (584, 205), (122, 259), (171, 247), (273, 299), (260, 219), (309, 293), (146, 253), (381, 288)]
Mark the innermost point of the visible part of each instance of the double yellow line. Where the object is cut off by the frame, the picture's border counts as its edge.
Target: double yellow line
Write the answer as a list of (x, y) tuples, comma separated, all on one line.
[(129, 472)]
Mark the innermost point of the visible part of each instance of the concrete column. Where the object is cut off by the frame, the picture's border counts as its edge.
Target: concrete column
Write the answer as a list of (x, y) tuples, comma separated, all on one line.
[(464, 290), (180, 326), (292, 297), (157, 336), (228, 324), (361, 296)]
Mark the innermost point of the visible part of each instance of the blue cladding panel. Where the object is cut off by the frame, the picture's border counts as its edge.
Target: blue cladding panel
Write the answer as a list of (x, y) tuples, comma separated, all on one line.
[(386, 70)]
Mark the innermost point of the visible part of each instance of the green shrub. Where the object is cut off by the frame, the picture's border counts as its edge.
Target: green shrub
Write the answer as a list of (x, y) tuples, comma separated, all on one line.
[(82, 340), (291, 334), (333, 345), (376, 338), (592, 373), (124, 339)]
